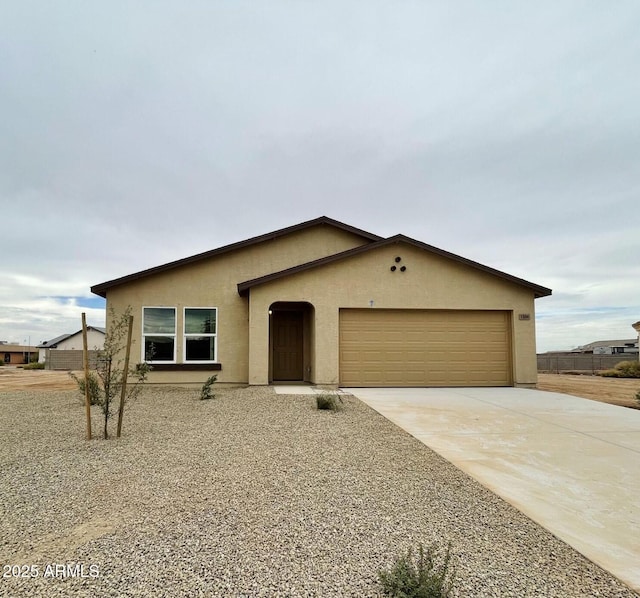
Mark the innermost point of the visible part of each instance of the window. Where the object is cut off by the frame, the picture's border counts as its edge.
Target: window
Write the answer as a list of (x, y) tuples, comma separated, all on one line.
[(200, 334), (159, 334)]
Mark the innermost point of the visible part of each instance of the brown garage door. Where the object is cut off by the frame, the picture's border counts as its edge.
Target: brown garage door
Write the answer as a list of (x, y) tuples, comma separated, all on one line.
[(380, 347)]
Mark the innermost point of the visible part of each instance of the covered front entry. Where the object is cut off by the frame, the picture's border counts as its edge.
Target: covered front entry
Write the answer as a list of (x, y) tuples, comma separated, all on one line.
[(290, 326), (412, 347)]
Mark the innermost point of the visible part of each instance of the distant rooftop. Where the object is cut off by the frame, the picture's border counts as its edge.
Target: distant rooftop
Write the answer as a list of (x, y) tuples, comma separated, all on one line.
[(628, 342), (54, 341)]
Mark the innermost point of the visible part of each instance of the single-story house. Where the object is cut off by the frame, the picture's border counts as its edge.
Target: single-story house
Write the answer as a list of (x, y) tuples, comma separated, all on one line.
[(327, 303), (611, 347), (66, 351), (17, 354), (636, 327)]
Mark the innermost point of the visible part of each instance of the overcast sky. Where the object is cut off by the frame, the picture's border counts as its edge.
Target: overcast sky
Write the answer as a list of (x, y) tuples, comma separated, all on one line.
[(137, 133)]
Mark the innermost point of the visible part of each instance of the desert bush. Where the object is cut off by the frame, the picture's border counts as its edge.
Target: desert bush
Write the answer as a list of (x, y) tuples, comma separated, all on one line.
[(329, 401), (95, 390), (427, 575), (624, 369), (206, 392), (34, 365)]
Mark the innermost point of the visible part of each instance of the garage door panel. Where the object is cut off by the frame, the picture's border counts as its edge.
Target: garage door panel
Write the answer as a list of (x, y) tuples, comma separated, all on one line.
[(424, 348)]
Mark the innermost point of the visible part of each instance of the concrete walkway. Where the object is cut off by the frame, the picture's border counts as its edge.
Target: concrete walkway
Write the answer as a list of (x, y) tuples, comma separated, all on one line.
[(570, 464)]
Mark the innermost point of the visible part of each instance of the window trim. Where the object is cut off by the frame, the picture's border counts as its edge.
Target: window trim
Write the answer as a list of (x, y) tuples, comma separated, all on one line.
[(174, 335), (186, 335)]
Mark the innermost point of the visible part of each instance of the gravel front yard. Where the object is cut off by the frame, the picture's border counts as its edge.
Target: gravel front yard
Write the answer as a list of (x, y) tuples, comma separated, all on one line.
[(251, 494)]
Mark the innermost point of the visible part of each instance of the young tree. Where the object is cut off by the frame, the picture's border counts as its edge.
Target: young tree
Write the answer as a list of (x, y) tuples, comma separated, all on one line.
[(111, 369)]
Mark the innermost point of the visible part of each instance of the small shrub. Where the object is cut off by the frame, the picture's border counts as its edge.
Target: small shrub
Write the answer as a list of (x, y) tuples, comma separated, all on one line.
[(1, 362), (624, 369), (95, 390), (329, 401), (206, 391), (637, 397), (34, 366), (426, 576)]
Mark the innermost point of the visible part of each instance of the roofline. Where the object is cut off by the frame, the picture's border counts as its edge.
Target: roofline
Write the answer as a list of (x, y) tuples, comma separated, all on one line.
[(63, 337), (12, 348), (244, 287), (101, 289)]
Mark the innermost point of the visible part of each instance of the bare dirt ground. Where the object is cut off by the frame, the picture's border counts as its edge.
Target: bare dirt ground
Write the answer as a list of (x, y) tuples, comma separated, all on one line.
[(12, 378), (616, 391)]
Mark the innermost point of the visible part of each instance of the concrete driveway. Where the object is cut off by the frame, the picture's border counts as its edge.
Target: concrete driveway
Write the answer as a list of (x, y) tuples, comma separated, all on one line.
[(570, 464)]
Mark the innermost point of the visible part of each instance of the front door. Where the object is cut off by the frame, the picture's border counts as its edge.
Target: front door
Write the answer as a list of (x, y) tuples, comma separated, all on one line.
[(287, 345)]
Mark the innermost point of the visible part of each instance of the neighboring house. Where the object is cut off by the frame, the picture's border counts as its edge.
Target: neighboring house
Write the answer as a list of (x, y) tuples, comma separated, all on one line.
[(636, 327), (17, 354), (614, 347), (68, 348), (327, 303), (590, 358)]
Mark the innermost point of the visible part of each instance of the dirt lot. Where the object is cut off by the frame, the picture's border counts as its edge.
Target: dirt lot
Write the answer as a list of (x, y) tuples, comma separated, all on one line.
[(12, 378), (607, 390), (617, 391)]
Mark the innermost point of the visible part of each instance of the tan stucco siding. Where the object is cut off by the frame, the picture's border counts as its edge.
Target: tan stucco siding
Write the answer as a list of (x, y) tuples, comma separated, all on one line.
[(429, 282), (213, 283)]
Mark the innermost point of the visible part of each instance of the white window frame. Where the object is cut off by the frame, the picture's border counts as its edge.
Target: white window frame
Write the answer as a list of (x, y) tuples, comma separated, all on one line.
[(167, 334), (186, 335)]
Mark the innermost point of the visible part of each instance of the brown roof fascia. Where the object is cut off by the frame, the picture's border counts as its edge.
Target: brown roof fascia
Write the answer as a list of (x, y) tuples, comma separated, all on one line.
[(101, 289), (244, 287)]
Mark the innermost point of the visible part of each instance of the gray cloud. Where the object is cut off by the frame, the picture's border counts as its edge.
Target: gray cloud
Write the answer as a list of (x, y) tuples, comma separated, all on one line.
[(134, 134)]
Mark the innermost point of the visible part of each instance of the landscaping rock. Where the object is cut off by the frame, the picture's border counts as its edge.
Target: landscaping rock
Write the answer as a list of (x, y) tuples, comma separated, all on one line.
[(251, 494)]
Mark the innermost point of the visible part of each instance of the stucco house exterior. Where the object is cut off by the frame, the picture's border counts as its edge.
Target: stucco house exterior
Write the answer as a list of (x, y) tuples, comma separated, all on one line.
[(12, 354), (327, 303), (65, 352)]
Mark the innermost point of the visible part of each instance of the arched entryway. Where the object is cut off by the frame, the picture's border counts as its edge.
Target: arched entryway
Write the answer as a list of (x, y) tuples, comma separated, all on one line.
[(290, 341)]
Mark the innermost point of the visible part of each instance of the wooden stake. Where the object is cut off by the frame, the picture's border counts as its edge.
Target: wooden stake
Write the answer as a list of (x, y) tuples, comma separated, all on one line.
[(125, 373), (85, 356)]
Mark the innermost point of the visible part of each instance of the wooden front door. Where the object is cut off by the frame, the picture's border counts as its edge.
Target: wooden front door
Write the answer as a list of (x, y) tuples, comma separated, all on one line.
[(286, 330)]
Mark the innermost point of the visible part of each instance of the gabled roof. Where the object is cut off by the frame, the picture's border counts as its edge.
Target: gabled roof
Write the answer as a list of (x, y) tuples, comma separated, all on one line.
[(630, 342), (101, 289), (54, 341), (244, 287), (63, 337)]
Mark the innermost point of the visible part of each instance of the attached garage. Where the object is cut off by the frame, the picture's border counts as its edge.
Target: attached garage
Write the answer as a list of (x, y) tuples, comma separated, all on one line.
[(411, 347)]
